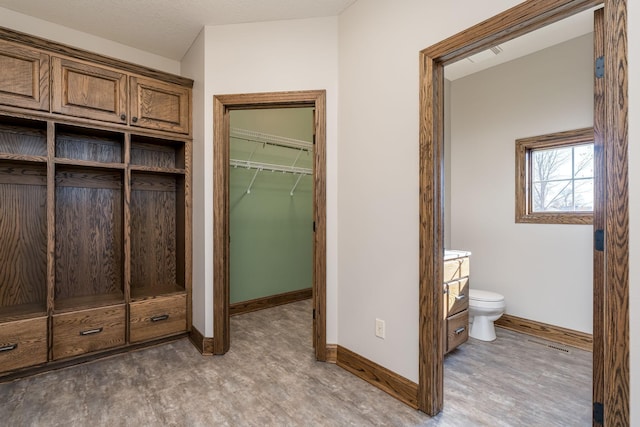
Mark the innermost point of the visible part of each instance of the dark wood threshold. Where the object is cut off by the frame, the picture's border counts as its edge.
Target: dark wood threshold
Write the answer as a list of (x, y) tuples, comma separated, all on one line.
[(66, 363), (397, 386), (548, 332), (202, 343), (268, 302)]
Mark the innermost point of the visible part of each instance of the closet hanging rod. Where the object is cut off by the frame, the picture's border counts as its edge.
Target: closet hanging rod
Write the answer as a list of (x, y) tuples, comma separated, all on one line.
[(270, 167), (265, 138)]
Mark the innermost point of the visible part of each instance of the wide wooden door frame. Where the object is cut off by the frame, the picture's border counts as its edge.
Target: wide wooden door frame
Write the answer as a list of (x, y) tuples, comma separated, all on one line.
[(223, 104), (611, 279)]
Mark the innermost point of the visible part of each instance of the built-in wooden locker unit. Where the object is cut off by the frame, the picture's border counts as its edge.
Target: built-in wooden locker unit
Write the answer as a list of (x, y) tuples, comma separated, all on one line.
[(95, 205)]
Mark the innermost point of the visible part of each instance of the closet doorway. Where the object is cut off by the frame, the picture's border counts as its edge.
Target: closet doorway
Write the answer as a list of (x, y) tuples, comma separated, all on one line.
[(260, 154)]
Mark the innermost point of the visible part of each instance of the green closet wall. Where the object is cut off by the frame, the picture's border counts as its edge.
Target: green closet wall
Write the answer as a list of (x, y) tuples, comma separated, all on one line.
[(271, 249)]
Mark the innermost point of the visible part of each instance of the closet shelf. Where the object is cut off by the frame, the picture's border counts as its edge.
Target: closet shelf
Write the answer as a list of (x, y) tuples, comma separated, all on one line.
[(259, 166), (265, 138), (247, 164)]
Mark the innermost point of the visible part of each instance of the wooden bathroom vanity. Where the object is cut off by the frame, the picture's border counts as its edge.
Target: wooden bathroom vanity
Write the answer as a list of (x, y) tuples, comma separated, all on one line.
[(456, 300)]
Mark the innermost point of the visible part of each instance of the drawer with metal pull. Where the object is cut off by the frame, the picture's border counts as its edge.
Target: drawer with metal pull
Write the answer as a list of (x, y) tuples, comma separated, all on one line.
[(157, 317), (456, 269), (85, 331), (456, 296), (23, 343), (457, 329)]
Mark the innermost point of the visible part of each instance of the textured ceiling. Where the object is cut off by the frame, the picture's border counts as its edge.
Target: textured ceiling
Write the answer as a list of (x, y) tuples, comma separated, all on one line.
[(167, 27)]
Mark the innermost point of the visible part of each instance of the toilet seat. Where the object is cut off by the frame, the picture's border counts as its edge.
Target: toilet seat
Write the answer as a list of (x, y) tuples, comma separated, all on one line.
[(484, 296)]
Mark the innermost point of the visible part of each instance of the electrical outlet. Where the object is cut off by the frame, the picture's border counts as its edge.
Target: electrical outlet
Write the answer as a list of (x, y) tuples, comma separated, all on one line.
[(380, 328)]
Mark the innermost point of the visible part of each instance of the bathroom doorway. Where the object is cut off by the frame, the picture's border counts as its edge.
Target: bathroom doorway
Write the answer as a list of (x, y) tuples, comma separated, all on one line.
[(611, 345), (537, 266)]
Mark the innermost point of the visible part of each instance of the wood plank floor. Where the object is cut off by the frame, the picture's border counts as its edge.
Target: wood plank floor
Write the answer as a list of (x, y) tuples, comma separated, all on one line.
[(269, 378)]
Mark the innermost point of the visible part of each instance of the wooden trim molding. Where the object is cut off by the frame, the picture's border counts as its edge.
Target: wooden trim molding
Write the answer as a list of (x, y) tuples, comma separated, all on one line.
[(61, 49), (332, 353), (203, 344), (270, 301), (397, 386), (222, 105), (548, 332), (611, 297)]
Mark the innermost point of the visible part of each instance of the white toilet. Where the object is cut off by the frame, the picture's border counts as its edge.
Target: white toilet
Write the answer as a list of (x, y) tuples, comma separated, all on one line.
[(484, 308)]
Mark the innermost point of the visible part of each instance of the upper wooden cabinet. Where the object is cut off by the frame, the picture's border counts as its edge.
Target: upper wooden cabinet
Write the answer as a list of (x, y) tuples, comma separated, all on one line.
[(37, 74), (83, 90), (159, 105), (25, 77), (100, 93)]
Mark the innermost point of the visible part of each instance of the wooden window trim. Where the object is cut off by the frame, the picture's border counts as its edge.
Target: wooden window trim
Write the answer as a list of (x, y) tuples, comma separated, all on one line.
[(523, 166)]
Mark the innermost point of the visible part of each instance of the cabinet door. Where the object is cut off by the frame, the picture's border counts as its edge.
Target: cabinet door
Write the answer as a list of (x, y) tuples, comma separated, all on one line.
[(24, 80), (159, 105), (84, 90)]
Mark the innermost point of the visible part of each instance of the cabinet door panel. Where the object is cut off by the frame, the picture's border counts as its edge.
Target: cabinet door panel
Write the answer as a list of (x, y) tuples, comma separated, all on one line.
[(25, 77), (88, 91), (456, 268), (457, 296), (158, 105)]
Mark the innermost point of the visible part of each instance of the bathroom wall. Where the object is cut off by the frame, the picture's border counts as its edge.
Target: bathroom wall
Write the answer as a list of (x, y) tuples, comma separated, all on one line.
[(271, 250), (544, 271)]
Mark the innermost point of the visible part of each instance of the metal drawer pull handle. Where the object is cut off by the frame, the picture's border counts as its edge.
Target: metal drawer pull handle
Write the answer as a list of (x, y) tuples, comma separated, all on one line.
[(160, 318), (9, 347), (460, 297), (91, 331), (460, 330)]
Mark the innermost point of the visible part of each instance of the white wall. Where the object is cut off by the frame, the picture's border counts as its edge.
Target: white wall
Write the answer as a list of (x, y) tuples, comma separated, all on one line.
[(262, 57), (378, 173), (193, 67), (50, 31), (544, 271)]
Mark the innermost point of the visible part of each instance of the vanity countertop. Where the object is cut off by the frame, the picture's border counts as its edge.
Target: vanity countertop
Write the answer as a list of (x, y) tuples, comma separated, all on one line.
[(450, 254)]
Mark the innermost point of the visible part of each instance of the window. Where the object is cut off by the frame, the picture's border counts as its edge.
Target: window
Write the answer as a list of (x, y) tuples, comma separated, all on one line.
[(554, 178)]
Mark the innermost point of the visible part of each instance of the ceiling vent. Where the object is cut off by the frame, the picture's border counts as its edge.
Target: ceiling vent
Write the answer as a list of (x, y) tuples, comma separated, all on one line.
[(485, 54)]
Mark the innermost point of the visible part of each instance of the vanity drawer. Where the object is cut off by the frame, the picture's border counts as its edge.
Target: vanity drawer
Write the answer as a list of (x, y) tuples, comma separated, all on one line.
[(89, 330), (158, 317), (23, 343), (457, 296), (456, 269), (457, 329)]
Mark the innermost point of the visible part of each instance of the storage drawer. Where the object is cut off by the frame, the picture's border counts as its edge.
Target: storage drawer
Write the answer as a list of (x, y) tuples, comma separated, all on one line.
[(457, 298), (86, 331), (158, 317), (456, 269), (23, 343), (457, 329)]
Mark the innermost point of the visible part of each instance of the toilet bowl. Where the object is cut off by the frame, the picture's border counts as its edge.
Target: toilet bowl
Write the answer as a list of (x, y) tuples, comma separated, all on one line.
[(484, 308)]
